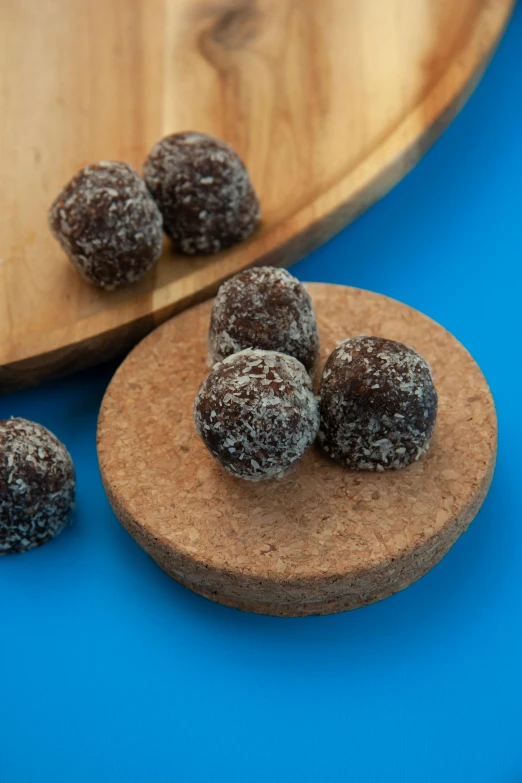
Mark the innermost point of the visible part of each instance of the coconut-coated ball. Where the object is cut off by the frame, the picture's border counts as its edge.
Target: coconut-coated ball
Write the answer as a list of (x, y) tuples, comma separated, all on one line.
[(204, 192), (108, 224), (257, 414), (264, 308), (378, 404), (37, 485)]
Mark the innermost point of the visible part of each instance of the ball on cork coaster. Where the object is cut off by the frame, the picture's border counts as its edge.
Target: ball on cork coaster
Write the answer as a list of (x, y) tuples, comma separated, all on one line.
[(323, 538)]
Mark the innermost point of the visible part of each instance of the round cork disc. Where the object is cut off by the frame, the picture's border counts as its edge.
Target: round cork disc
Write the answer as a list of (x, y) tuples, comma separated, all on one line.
[(322, 539)]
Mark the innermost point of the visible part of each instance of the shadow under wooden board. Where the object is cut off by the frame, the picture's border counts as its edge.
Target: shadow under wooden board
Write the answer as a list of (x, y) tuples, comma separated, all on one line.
[(329, 103)]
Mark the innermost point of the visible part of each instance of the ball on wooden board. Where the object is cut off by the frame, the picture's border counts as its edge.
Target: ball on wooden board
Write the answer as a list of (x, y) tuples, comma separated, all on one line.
[(203, 191), (108, 224)]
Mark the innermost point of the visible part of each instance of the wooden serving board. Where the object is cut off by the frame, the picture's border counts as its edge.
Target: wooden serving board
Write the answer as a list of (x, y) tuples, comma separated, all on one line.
[(322, 539), (330, 102)]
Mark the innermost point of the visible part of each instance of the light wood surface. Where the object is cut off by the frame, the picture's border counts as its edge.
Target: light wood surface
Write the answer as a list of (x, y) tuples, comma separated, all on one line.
[(323, 539), (330, 102)]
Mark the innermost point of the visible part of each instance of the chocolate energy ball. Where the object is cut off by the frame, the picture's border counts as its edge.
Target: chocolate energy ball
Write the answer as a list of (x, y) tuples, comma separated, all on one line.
[(378, 404), (203, 191), (264, 308), (108, 224), (257, 414), (37, 485)]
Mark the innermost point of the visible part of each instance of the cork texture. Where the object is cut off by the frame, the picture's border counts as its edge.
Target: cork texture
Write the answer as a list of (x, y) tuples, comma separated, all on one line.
[(322, 539)]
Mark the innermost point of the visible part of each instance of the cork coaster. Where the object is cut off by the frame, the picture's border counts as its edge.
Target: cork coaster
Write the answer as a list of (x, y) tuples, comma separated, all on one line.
[(322, 539)]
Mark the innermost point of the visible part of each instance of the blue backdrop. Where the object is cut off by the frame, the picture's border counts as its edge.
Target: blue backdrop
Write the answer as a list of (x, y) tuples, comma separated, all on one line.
[(113, 672)]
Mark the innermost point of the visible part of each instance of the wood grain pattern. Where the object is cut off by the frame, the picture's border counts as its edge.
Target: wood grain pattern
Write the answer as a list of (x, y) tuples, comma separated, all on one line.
[(322, 539), (329, 103)]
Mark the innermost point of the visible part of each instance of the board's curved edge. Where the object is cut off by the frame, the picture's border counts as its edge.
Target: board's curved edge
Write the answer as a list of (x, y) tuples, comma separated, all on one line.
[(86, 344)]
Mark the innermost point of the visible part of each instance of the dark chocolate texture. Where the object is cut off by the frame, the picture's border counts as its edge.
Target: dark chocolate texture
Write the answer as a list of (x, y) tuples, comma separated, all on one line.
[(203, 191), (108, 224), (37, 485), (257, 414), (265, 308), (378, 404)]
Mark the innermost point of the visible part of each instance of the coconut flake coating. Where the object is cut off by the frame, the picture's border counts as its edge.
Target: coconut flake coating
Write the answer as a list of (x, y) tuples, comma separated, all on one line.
[(37, 485), (264, 308), (377, 403), (108, 224), (203, 190), (257, 414)]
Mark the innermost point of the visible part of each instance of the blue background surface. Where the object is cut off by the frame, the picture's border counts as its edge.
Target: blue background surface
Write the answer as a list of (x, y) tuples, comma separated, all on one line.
[(110, 671)]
